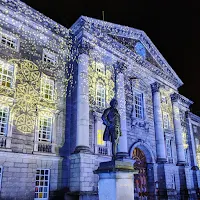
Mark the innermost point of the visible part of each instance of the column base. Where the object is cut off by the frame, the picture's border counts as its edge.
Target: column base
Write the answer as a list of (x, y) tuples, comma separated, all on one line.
[(82, 149), (181, 163), (81, 177), (161, 160), (121, 155)]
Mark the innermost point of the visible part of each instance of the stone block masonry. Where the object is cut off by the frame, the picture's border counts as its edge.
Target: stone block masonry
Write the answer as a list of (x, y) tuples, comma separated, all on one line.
[(82, 178), (18, 174)]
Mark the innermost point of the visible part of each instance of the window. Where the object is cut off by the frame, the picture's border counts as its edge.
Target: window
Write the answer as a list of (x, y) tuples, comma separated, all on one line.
[(1, 171), (100, 140), (195, 129), (165, 120), (49, 57), (164, 99), (168, 148), (139, 107), (100, 137), (173, 181), (9, 41), (47, 88), (45, 129), (6, 75), (42, 184), (186, 155), (4, 113), (100, 95), (100, 67), (196, 143)]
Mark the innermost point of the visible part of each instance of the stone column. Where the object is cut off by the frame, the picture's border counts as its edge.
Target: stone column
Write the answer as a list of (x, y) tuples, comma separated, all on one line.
[(158, 122), (122, 148), (192, 142), (82, 135), (178, 130)]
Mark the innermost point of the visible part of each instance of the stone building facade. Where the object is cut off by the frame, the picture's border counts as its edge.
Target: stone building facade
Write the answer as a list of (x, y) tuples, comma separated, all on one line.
[(33, 55), (54, 86)]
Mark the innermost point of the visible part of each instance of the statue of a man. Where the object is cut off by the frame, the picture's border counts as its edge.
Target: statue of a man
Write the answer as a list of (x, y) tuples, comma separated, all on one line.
[(111, 119)]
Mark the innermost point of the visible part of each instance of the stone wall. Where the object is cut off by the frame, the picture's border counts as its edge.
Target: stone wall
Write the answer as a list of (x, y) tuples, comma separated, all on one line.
[(19, 170)]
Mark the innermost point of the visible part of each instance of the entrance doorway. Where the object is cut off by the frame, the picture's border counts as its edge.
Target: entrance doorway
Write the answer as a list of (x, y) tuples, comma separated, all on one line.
[(140, 179)]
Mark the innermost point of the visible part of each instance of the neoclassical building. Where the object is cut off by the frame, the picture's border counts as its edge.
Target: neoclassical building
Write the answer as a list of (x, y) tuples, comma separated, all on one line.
[(55, 84)]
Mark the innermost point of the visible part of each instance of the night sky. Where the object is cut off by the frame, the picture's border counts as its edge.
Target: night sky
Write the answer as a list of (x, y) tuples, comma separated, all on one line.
[(173, 28)]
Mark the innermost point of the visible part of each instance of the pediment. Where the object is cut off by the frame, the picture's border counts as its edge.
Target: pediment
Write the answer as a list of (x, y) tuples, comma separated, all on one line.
[(125, 39), (132, 45)]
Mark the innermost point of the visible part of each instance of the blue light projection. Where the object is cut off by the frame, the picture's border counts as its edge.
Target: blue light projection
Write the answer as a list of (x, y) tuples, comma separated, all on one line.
[(140, 50)]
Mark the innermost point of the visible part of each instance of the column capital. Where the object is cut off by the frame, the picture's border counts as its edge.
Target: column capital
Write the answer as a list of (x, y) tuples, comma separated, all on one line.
[(187, 114), (175, 97), (155, 87), (84, 48), (120, 67)]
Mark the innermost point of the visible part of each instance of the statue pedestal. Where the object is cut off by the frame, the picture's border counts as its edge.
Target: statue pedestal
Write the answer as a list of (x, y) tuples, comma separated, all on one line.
[(116, 180)]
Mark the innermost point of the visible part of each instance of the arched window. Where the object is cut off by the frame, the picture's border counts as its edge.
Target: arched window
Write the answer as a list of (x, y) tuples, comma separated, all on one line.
[(100, 95)]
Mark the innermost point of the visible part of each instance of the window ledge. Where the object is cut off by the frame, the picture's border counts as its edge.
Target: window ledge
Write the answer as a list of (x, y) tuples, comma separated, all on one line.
[(168, 131), (5, 149), (44, 153)]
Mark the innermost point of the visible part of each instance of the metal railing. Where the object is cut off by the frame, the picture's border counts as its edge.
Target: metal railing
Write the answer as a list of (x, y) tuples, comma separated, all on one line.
[(103, 150), (44, 147), (2, 141)]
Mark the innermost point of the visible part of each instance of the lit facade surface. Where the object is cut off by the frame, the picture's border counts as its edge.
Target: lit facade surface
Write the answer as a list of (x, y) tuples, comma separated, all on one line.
[(54, 85)]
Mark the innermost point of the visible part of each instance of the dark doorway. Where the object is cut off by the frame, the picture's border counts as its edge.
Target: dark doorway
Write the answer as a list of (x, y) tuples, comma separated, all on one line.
[(140, 179)]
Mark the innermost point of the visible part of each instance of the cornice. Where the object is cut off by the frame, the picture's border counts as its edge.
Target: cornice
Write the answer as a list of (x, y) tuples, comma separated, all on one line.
[(193, 117), (175, 97), (23, 11), (185, 101)]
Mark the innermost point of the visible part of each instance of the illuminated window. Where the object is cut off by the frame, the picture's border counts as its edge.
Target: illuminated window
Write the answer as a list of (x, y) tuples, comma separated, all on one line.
[(100, 141), (165, 121), (4, 113), (168, 148), (6, 75), (9, 41), (100, 95), (1, 171), (45, 128), (49, 57), (139, 106), (42, 184), (100, 67), (47, 88)]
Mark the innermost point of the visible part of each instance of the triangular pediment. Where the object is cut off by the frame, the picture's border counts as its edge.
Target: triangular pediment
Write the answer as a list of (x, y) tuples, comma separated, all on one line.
[(132, 44), (125, 40)]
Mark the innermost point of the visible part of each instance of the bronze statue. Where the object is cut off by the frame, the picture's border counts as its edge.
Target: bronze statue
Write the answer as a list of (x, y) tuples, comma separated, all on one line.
[(111, 119)]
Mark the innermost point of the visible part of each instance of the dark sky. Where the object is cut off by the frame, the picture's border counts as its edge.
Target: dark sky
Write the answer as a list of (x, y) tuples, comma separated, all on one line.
[(173, 27)]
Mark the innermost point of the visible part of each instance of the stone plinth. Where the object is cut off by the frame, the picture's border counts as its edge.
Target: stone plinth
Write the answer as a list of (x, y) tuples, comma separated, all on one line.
[(116, 180), (82, 178)]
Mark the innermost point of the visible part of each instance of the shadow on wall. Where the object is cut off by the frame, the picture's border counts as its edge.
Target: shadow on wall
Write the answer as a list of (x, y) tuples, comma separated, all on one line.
[(62, 195)]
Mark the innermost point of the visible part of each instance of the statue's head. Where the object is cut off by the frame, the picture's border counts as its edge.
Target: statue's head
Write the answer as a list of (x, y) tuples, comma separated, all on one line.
[(113, 103)]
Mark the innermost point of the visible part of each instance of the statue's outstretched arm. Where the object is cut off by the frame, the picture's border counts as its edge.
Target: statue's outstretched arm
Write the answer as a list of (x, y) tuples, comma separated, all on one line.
[(104, 117)]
